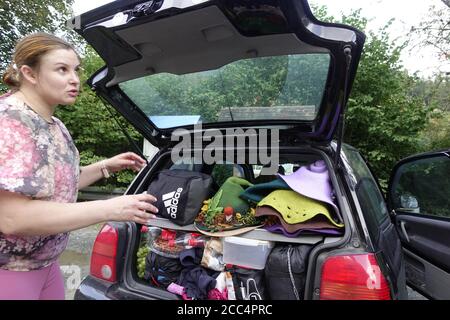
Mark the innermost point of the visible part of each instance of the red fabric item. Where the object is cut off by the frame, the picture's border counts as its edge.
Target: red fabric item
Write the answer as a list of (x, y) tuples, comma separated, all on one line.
[(215, 294), (185, 297)]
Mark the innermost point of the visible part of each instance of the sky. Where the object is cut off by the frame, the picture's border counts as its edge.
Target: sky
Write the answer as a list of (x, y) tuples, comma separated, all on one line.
[(406, 13)]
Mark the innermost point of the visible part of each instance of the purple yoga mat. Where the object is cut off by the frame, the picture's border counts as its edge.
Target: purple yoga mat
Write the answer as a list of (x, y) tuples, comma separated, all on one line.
[(278, 228)]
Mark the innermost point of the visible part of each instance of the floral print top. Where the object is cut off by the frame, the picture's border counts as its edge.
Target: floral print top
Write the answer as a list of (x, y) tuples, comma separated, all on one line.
[(38, 159)]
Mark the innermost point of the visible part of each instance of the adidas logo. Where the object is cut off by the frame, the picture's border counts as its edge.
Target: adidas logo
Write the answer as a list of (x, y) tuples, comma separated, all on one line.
[(171, 202)]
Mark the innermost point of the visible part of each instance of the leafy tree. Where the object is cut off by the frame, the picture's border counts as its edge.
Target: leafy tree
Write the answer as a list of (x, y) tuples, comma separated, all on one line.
[(434, 31), (384, 119), (435, 92), (436, 134), (261, 82), (21, 17)]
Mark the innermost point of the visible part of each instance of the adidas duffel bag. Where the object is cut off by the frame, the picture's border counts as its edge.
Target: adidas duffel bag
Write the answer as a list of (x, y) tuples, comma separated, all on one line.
[(180, 194)]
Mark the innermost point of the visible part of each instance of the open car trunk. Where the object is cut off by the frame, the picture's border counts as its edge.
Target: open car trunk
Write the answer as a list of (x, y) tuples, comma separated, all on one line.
[(180, 68), (264, 264)]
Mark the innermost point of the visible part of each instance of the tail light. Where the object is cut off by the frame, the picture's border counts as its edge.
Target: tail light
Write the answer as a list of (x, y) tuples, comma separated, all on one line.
[(103, 258), (353, 277)]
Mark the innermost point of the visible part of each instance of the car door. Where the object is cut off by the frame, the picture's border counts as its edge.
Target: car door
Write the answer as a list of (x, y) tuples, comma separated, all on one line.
[(419, 200)]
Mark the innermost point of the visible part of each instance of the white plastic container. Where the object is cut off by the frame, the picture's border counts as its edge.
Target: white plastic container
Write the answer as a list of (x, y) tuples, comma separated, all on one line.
[(246, 252)]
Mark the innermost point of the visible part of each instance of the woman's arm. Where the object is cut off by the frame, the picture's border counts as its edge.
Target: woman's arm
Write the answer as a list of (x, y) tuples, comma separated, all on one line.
[(93, 172), (90, 174), (19, 215)]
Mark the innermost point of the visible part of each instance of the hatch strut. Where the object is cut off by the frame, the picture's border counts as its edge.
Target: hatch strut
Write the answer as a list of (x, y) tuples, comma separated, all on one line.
[(341, 123), (135, 146)]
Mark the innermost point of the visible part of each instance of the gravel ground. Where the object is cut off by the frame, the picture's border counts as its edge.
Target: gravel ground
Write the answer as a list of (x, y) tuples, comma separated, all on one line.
[(75, 259)]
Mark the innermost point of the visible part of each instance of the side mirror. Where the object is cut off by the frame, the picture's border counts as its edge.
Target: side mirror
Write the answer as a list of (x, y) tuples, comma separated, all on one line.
[(409, 203), (421, 180)]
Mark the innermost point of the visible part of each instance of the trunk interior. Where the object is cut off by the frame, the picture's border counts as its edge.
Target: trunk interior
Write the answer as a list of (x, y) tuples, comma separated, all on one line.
[(258, 264)]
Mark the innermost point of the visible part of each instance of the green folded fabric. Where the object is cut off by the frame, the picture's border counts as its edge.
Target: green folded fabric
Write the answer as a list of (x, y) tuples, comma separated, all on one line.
[(296, 208), (258, 191), (229, 194)]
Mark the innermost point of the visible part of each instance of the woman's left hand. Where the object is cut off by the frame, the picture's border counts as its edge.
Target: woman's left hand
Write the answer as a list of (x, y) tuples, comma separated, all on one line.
[(127, 160)]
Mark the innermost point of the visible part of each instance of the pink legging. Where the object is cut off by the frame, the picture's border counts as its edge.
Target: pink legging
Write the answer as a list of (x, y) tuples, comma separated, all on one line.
[(44, 284)]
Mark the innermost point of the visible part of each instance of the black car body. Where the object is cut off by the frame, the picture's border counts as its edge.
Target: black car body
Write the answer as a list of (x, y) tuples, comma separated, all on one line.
[(144, 44)]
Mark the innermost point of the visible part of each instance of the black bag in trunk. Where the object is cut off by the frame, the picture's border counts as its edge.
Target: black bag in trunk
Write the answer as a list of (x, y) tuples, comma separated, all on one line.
[(285, 272), (249, 282), (161, 271), (180, 194)]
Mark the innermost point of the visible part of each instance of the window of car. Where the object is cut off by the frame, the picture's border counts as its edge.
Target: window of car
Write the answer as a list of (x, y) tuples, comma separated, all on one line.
[(223, 171), (219, 172), (369, 195), (372, 204), (285, 87), (187, 164), (423, 187)]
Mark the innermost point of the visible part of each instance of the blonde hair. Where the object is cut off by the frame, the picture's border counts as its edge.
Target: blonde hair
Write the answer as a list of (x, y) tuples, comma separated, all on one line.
[(29, 51)]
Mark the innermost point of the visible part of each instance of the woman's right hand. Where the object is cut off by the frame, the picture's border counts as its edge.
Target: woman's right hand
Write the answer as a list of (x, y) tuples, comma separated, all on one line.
[(131, 208)]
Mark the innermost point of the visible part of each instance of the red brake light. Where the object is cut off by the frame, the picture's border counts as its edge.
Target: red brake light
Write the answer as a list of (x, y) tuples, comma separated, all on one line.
[(103, 258), (353, 277)]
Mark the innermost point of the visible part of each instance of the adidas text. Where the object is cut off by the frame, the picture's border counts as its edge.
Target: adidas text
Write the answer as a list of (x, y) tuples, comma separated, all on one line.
[(171, 202)]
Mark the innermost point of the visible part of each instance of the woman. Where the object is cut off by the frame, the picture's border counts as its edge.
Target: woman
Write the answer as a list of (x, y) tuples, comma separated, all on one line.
[(40, 174)]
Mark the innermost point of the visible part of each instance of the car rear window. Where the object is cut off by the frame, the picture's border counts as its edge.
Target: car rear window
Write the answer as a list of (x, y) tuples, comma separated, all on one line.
[(287, 87)]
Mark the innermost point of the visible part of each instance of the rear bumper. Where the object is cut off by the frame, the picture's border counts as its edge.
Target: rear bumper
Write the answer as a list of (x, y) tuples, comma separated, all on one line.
[(93, 289)]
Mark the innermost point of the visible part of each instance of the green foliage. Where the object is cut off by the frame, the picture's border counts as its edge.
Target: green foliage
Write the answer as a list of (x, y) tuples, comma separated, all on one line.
[(321, 13), (385, 133), (436, 134), (436, 94), (222, 172), (261, 82), (21, 17), (213, 208), (384, 119), (140, 259)]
